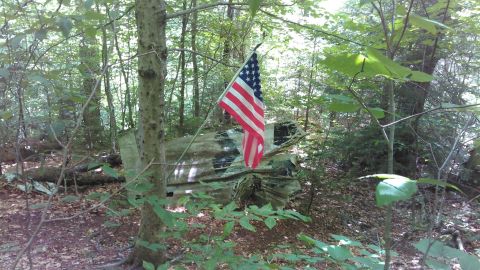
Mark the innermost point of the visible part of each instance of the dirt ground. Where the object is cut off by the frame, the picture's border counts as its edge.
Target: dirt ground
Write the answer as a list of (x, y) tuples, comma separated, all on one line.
[(93, 238)]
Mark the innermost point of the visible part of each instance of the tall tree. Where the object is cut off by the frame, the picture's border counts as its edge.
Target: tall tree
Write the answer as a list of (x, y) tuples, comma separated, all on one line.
[(196, 88), (181, 109), (90, 68), (152, 51)]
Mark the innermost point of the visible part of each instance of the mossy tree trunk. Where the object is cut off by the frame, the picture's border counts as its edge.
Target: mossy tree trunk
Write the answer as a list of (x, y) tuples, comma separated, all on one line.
[(152, 51)]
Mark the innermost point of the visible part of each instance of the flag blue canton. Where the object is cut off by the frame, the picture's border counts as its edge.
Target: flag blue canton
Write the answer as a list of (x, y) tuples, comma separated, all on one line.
[(250, 75)]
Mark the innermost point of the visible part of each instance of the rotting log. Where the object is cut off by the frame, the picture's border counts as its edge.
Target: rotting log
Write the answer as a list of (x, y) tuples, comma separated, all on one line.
[(51, 174), (85, 173)]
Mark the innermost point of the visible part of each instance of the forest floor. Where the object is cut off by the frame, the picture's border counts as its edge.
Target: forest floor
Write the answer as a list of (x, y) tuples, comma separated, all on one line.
[(342, 207)]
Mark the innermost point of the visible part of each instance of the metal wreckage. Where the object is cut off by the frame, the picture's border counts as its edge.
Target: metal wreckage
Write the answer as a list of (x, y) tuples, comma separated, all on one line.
[(214, 164)]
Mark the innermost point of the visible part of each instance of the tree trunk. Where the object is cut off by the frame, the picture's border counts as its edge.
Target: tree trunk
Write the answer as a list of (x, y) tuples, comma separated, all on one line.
[(128, 99), (196, 90), (181, 109), (227, 51), (108, 93), (152, 51), (90, 69)]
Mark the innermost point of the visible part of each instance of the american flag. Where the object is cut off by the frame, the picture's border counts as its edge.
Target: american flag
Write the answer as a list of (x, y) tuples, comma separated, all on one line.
[(244, 101)]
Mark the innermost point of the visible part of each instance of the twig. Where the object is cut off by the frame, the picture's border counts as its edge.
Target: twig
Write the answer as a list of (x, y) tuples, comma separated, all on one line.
[(429, 111), (323, 32), (204, 55)]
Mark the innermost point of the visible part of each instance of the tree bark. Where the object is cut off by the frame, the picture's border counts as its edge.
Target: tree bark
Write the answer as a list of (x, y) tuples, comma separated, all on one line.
[(152, 51), (108, 93), (91, 116), (128, 99), (196, 88), (181, 109)]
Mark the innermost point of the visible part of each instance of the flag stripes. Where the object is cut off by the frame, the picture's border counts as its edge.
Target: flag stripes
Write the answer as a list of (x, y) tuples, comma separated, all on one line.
[(243, 100)]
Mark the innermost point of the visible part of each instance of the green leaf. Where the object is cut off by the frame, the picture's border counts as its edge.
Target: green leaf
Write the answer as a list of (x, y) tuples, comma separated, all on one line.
[(109, 171), (254, 6), (343, 107), (164, 266), (70, 198), (419, 76), (438, 249), (427, 24), (395, 189), (244, 222), (148, 266), (339, 253), (270, 222), (65, 25), (227, 228), (167, 217), (375, 64), (437, 265), (378, 113), (437, 182), (346, 241)]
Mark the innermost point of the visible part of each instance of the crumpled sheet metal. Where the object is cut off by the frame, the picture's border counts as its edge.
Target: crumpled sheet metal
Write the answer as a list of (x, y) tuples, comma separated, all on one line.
[(216, 157)]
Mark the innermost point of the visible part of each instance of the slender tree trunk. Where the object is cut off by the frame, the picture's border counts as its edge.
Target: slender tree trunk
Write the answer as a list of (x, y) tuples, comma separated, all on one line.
[(181, 109), (108, 93), (90, 68), (310, 85), (196, 88), (227, 51), (152, 51), (128, 94)]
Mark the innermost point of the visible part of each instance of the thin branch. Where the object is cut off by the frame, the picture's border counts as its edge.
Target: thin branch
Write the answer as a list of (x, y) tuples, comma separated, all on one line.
[(405, 24), (201, 7), (313, 29), (429, 111), (204, 55), (384, 25), (362, 103)]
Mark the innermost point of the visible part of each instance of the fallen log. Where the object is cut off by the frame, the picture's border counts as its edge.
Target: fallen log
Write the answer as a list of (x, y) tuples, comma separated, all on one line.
[(52, 174), (83, 174)]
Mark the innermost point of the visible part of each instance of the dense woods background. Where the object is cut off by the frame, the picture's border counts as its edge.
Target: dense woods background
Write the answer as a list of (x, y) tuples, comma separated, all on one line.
[(379, 86)]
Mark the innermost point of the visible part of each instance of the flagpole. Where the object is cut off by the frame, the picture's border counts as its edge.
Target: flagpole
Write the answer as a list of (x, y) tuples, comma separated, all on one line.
[(210, 112)]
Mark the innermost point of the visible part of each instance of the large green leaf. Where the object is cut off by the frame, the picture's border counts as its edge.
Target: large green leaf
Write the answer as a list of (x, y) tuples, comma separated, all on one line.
[(227, 228), (427, 24), (378, 113), (393, 69), (339, 253), (343, 107), (439, 250), (394, 189), (270, 222), (148, 266), (244, 222), (376, 64)]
